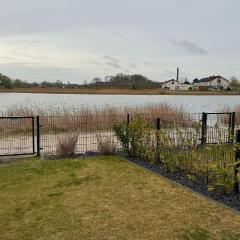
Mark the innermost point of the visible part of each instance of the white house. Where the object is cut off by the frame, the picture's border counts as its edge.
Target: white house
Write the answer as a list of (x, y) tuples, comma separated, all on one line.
[(186, 87), (216, 82), (171, 85), (175, 85)]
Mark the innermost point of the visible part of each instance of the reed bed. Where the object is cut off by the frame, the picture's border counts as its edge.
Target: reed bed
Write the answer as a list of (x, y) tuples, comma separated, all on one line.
[(11, 127), (225, 119), (156, 110), (67, 118)]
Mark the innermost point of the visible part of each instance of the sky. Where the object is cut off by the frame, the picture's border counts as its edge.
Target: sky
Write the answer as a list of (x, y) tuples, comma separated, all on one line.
[(78, 40)]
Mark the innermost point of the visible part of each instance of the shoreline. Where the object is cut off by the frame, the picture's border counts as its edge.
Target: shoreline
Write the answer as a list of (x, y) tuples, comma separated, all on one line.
[(115, 91)]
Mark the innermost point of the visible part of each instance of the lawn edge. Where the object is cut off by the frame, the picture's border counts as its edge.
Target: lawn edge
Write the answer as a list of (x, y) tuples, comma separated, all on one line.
[(178, 184)]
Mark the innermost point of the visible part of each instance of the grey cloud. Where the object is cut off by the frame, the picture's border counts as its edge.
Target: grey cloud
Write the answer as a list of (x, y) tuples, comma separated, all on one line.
[(118, 34), (188, 45), (110, 58), (96, 63), (113, 64), (40, 73), (31, 21), (169, 72), (89, 29), (127, 71), (147, 63), (112, 61), (132, 65)]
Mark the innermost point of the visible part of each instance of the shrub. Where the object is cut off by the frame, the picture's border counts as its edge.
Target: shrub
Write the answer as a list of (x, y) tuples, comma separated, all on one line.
[(228, 89), (135, 137), (178, 150), (106, 145), (66, 146)]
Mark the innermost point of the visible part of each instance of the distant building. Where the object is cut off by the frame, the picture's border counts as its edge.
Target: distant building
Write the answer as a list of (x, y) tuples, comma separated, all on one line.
[(175, 85), (171, 85), (185, 87), (214, 82)]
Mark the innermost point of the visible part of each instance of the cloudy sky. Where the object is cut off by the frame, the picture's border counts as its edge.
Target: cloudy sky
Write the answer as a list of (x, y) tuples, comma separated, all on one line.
[(77, 40)]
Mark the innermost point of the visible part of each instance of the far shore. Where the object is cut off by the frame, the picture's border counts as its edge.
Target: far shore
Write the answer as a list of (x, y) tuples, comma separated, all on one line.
[(117, 91)]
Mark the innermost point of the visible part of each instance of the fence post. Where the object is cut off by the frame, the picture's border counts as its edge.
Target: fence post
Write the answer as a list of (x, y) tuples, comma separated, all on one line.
[(237, 159), (33, 134), (158, 122), (128, 118), (38, 137), (233, 122), (204, 129)]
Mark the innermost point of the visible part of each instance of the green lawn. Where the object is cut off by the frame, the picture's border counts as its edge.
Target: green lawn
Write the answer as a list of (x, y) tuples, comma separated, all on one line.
[(104, 198)]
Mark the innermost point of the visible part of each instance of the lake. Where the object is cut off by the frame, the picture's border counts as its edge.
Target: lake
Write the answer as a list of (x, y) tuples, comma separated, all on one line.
[(196, 104)]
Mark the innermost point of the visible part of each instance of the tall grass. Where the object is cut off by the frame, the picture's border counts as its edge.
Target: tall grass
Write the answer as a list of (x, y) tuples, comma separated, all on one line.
[(66, 118), (225, 118), (106, 145), (158, 110), (66, 146)]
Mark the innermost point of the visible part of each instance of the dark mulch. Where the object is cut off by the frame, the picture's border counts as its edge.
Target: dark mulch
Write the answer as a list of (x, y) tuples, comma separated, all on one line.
[(198, 185)]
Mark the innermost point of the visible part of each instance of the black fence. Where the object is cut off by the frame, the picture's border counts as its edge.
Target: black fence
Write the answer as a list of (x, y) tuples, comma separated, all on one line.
[(206, 143), (88, 132), (17, 136), (41, 135), (202, 146)]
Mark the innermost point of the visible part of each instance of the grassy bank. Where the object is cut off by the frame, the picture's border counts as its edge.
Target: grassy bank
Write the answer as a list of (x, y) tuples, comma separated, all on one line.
[(120, 91), (104, 198)]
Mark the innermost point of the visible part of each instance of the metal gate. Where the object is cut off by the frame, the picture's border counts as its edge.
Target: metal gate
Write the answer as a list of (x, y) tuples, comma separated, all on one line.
[(218, 127), (17, 136)]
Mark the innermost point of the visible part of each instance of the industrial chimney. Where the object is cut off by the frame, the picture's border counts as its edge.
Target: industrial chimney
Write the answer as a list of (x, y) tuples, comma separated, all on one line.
[(177, 74)]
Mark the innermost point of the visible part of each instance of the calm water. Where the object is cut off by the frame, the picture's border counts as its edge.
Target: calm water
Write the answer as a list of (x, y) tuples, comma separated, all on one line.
[(195, 104)]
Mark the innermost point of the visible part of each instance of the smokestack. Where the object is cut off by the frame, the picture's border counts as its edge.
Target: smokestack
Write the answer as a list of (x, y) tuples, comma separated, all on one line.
[(177, 74)]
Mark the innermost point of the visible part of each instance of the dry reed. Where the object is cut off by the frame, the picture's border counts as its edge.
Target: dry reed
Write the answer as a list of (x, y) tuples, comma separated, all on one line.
[(227, 109), (84, 119), (106, 145), (66, 146)]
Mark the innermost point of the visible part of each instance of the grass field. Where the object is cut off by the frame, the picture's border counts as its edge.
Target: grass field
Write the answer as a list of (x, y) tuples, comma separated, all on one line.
[(125, 91), (104, 198)]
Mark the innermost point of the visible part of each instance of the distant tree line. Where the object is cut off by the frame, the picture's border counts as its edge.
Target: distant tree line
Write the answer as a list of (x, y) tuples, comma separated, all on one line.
[(135, 81), (7, 82), (121, 80)]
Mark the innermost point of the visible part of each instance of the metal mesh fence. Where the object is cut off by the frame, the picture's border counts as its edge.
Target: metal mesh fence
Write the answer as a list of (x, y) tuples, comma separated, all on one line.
[(198, 144), (181, 131), (17, 136), (89, 132), (179, 145)]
